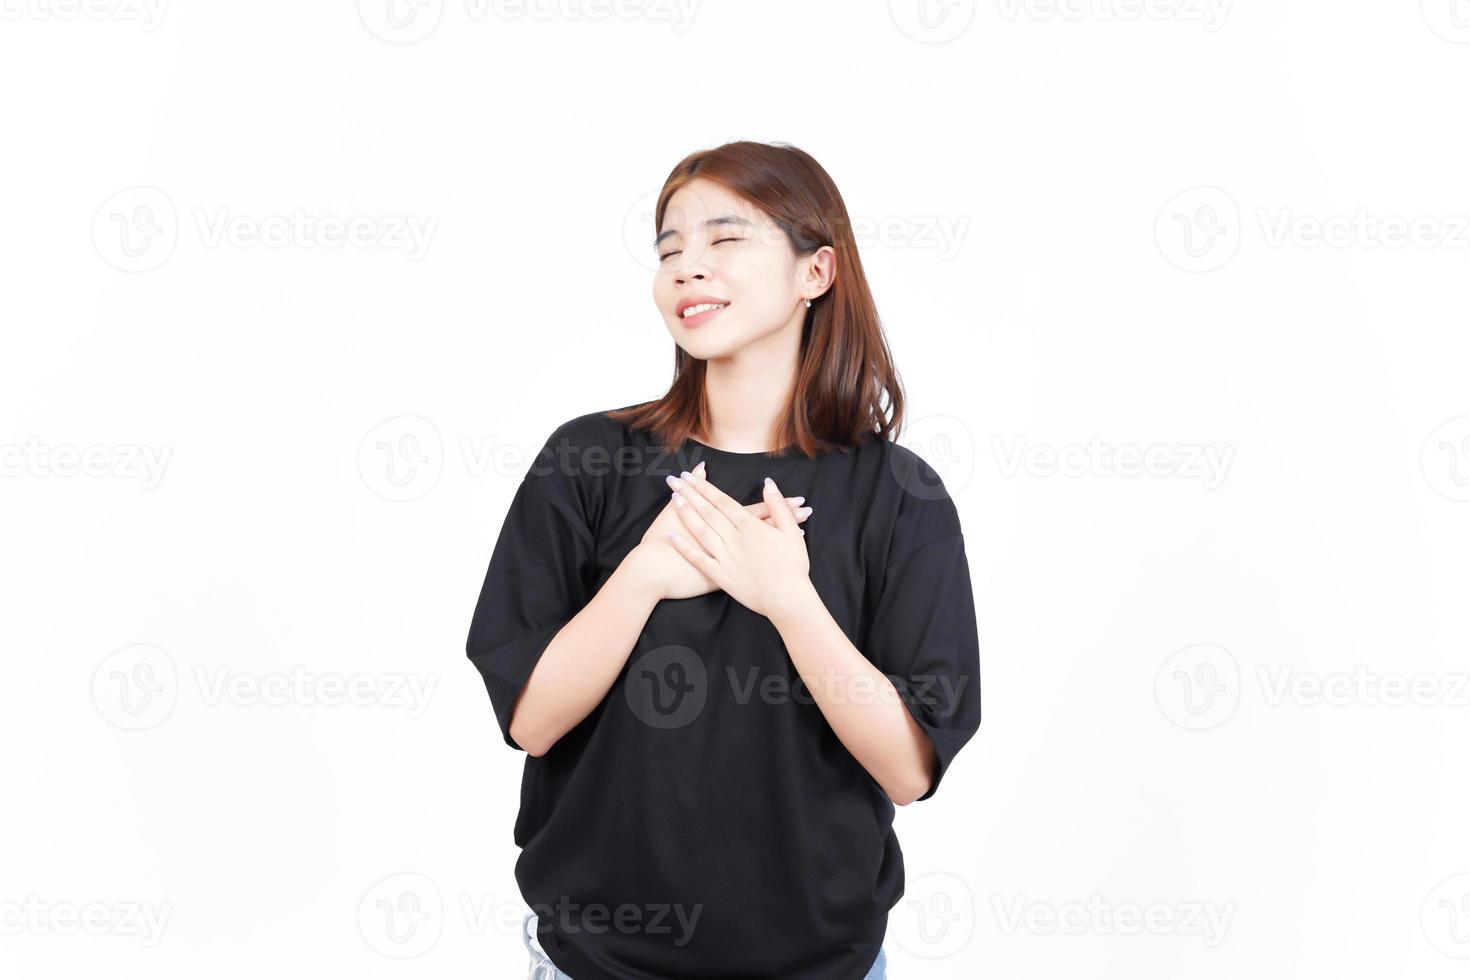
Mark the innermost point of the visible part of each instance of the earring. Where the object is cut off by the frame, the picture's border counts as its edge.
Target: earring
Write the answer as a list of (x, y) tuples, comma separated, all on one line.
[(808, 303)]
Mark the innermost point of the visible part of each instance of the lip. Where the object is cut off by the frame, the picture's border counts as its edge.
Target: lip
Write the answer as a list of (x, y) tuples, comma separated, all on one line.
[(698, 318)]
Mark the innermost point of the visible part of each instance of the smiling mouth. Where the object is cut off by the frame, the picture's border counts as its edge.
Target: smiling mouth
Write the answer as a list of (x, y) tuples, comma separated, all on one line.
[(701, 312)]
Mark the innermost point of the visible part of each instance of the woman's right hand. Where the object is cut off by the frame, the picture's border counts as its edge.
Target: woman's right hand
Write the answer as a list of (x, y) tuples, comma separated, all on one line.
[(670, 572)]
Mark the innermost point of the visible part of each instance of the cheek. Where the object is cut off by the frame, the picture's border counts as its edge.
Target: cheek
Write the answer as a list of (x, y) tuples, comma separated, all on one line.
[(761, 278)]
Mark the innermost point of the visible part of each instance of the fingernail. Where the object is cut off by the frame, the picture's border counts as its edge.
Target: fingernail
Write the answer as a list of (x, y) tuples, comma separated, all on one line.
[(699, 468), (687, 475), (798, 500), (803, 511), (770, 482), (673, 481)]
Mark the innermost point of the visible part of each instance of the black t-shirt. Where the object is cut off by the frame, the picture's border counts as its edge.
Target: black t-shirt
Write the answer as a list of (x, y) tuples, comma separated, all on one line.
[(704, 821)]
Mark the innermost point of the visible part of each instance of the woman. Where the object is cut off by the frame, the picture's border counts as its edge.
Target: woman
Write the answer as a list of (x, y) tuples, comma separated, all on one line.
[(723, 693)]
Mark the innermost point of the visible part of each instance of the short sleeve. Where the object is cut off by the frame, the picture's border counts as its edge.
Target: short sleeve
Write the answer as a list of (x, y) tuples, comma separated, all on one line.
[(540, 576), (923, 633)]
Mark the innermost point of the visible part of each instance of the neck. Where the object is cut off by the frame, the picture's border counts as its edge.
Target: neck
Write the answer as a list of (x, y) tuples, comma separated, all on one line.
[(746, 393)]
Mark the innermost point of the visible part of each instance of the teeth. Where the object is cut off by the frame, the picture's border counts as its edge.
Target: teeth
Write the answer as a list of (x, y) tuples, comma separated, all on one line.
[(700, 308)]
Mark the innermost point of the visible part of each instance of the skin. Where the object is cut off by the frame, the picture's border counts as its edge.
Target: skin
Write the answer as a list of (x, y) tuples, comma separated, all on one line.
[(703, 539)]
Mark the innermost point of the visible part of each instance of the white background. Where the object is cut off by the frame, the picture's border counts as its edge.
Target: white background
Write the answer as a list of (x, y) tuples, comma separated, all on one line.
[(1225, 704)]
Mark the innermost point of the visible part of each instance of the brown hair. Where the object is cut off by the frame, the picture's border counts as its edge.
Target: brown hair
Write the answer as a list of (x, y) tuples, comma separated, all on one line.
[(844, 367)]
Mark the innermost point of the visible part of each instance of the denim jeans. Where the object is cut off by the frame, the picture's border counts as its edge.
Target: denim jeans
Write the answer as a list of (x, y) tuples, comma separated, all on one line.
[(543, 969)]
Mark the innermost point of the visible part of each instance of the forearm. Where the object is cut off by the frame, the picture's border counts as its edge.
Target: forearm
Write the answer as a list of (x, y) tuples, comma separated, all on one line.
[(580, 664), (857, 699)]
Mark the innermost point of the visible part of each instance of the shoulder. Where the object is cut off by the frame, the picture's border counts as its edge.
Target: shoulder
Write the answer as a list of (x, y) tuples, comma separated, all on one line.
[(922, 509), (588, 438), (589, 428), (589, 451)]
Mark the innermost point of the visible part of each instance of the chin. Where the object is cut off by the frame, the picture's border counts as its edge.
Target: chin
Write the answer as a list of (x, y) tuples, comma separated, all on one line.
[(706, 341), (705, 351)]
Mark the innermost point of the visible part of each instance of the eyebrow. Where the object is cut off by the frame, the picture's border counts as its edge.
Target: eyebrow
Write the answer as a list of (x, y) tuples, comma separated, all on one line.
[(727, 219)]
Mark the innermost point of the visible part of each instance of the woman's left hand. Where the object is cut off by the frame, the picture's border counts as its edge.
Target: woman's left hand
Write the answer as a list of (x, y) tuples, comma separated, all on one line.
[(761, 564)]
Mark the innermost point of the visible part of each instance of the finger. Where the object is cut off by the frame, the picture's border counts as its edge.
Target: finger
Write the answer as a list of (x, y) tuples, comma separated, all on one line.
[(697, 557), (761, 510), (695, 512), (697, 495), (781, 516), (718, 499)]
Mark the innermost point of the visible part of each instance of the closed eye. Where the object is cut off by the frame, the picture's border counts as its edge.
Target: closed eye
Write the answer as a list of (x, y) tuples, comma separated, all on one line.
[(715, 242)]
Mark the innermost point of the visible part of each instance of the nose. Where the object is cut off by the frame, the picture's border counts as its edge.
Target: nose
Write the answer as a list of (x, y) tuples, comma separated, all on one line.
[(694, 270), (690, 264)]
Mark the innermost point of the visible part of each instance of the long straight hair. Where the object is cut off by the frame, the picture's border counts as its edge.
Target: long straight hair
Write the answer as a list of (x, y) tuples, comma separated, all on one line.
[(844, 371)]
